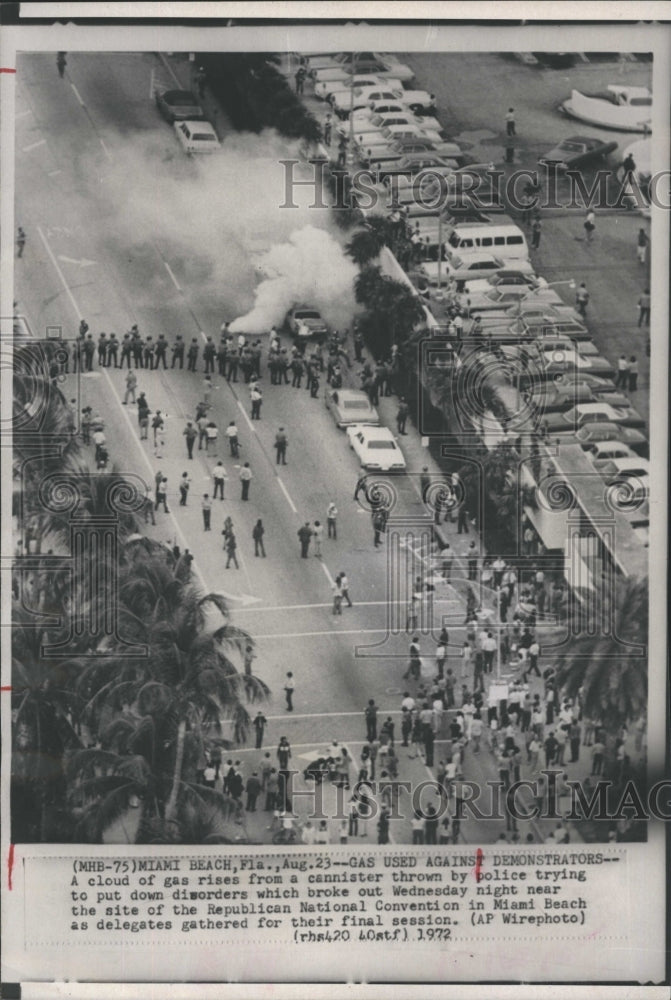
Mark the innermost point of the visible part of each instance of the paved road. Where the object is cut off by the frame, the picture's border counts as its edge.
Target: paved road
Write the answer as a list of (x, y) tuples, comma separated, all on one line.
[(75, 186)]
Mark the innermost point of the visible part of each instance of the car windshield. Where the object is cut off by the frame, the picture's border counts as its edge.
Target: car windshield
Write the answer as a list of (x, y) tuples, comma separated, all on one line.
[(179, 97), (307, 314), (378, 444), (204, 137), (354, 404), (571, 147)]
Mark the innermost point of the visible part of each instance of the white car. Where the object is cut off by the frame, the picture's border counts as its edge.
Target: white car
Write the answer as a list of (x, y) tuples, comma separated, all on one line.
[(362, 116), (197, 137), (345, 102), (363, 62), (367, 119), (376, 448), (618, 469), (461, 268), (324, 89), (350, 406), (380, 134)]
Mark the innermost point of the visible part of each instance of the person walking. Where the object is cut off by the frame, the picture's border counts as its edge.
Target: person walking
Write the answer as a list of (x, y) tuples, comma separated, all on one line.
[(632, 373), (206, 507), (184, 485), (370, 718), (253, 790), (258, 532), (642, 245), (299, 77), (289, 691), (318, 536), (219, 477), (344, 585), (581, 299), (61, 63), (190, 433), (281, 443), (535, 233), (510, 121), (178, 352), (231, 550), (157, 426), (192, 355), (331, 516), (327, 129), (245, 480), (644, 308), (589, 225), (162, 495), (20, 242), (304, 536), (259, 722)]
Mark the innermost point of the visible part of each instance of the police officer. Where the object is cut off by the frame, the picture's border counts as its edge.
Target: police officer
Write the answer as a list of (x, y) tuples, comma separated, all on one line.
[(126, 347), (149, 354), (161, 348), (89, 350), (178, 351), (209, 354), (232, 373), (102, 350), (192, 355), (136, 346), (297, 370), (112, 351)]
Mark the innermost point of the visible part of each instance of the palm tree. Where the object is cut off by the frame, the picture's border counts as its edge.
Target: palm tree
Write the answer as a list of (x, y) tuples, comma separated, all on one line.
[(607, 662), (364, 246), (493, 479), (187, 687)]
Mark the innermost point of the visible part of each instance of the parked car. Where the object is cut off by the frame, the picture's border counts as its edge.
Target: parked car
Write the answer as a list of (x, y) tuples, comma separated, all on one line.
[(369, 63), (623, 467), (367, 119), (586, 413), (345, 102), (305, 322), (619, 107), (376, 448), (592, 434), (462, 267), (350, 406), (506, 280), (576, 152), (324, 89), (410, 164), (501, 298), (603, 451), (197, 136), (178, 105)]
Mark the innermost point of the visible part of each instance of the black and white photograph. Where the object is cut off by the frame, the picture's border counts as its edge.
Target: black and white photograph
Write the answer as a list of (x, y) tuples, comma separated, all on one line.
[(334, 480)]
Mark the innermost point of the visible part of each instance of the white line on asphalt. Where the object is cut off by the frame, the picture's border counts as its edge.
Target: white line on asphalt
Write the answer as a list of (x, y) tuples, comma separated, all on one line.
[(34, 145), (296, 607), (328, 575), (61, 276), (78, 95), (286, 493), (174, 279), (22, 114), (54, 173), (246, 416), (105, 149)]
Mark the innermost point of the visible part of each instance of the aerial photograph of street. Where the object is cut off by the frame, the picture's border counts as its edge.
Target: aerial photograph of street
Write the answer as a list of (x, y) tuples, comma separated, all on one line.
[(331, 447)]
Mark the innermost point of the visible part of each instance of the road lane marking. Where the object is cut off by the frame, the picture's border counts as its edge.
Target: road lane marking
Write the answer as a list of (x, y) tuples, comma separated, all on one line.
[(60, 274), (34, 145), (170, 272), (78, 95), (357, 604), (333, 632), (105, 149), (55, 173), (170, 70), (22, 114), (246, 416), (286, 493), (328, 575)]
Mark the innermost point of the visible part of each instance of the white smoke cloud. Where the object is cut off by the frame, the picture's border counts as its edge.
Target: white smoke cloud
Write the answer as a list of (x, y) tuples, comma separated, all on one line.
[(310, 268)]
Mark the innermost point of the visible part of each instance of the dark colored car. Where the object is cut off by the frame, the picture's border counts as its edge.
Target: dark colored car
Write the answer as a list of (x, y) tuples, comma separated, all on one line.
[(556, 60), (576, 152), (179, 105), (593, 433)]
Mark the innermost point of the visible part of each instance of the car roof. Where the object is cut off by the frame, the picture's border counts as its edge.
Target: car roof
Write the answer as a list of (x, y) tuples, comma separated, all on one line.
[(630, 462), (352, 394)]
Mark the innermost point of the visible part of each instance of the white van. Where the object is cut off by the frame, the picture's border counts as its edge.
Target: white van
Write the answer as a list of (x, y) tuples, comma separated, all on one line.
[(502, 238)]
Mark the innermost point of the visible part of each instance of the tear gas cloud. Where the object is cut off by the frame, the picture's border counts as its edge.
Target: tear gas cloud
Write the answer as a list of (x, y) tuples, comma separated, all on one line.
[(217, 220)]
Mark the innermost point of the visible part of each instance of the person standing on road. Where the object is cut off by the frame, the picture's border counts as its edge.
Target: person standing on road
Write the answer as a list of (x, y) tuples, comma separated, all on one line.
[(402, 416), (331, 515), (328, 129), (581, 299), (20, 242), (300, 79), (318, 535), (258, 532), (184, 485), (370, 717), (304, 536), (131, 385), (535, 233), (192, 355), (245, 480), (162, 495), (644, 308), (231, 548), (633, 373), (232, 435), (211, 437), (344, 586), (206, 507), (642, 245), (337, 596), (178, 352), (289, 693), (219, 477), (281, 443), (510, 121), (256, 397), (622, 378), (190, 433), (259, 722), (61, 63)]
